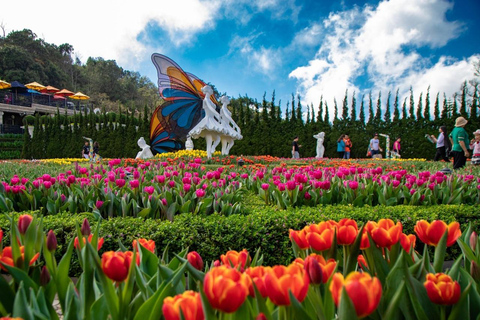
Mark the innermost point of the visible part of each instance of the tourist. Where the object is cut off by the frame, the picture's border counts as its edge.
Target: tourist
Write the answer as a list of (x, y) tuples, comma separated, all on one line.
[(458, 138), (86, 150), (397, 147), (295, 149), (348, 147), (341, 146), (443, 145), (475, 146), (375, 146)]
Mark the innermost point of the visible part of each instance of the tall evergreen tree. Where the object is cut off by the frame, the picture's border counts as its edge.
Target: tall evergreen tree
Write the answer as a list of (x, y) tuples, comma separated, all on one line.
[(426, 112), (436, 108), (444, 115), (320, 110), (396, 111), (463, 103), (308, 114), (272, 107), (404, 109), (362, 111), (353, 112), (474, 107), (299, 110), (378, 112), (335, 108), (420, 106), (287, 112), (345, 106), (294, 114), (327, 116), (370, 108), (412, 105), (454, 106), (387, 109)]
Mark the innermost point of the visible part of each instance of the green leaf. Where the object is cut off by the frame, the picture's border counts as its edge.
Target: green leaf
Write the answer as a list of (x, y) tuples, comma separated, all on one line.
[(392, 309), (346, 310), (99, 310), (300, 312), (461, 309), (21, 307), (7, 295), (440, 251)]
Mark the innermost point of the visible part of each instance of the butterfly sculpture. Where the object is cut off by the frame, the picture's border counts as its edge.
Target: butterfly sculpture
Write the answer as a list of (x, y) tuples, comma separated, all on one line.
[(181, 109)]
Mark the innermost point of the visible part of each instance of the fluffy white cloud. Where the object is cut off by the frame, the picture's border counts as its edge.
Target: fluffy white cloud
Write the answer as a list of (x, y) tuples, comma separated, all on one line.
[(381, 44)]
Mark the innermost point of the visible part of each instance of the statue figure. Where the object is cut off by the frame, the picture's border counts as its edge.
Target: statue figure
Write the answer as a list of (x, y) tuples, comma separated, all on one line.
[(320, 148), (146, 153), (189, 143), (210, 126), (231, 130)]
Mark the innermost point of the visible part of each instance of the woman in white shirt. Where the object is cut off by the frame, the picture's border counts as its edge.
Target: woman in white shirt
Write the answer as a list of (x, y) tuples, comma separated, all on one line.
[(443, 145)]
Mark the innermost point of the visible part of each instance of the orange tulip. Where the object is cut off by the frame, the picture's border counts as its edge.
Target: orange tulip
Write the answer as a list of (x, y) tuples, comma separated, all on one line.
[(320, 236), (299, 237), (6, 257), (327, 267), (10, 318), (226, 288), (24, 222), (441, 289), (362, 262), (257, 275), (385, 233), (365, 243), (431, 233), (147, 244), (347, 231), (283, 279), (364, 291), (189, 302), (236, 259), (116, 265), (407, 242), (99, 244), (195, 260)]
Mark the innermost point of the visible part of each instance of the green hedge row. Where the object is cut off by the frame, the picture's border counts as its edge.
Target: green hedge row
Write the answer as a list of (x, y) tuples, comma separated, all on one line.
[(266, 229)]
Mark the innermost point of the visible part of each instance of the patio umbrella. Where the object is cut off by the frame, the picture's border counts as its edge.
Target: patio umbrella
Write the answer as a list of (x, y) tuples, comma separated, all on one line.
[(17, 87), (50, 89), (80, 96), (56, 96), (35, 86), (4, 84), (64, 93)]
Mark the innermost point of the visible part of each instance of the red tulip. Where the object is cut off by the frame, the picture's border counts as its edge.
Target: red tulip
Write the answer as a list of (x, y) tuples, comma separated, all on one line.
[(326, 267), (85, 229), (189, 302), (431, 233), (347, 231), (51, 241), (195, 260), (362, 262), (282, 280), (407, 242), (441, 289), (257, 275), (385, 233), (225, 288), (364, 291), (116, 265), (6, 257), (147, 244), (299, 237), (23, 223), (1, 236), (236, 259), (77, 245), (320, 236)]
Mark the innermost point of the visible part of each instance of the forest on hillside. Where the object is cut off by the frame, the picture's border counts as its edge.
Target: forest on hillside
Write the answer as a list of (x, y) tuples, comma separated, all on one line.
[(268, 126)]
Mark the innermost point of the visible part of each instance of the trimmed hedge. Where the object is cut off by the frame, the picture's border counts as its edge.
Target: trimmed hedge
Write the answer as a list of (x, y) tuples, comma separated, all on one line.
[(266, 229)]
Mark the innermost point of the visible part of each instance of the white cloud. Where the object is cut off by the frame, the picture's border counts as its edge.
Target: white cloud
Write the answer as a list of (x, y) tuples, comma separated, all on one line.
[(262, 60), (381, 43)]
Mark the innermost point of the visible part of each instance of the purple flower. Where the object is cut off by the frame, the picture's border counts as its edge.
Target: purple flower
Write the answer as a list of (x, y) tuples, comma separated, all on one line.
[(265, 186), (200, 193), (134, 184), (149, 189), (99, 204), (120, 182)]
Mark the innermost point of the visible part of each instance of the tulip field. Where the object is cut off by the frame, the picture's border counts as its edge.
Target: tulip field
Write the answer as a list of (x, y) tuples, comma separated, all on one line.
[(342, 269)]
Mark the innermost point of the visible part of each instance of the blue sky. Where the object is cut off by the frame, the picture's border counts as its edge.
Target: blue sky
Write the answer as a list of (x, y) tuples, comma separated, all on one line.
[(310, 47)]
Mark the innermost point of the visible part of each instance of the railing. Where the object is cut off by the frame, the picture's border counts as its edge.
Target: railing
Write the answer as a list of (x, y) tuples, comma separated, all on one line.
[(44, 99)]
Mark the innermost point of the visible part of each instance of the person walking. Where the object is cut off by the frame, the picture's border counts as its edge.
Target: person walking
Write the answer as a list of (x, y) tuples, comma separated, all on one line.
[(341, 146), (475, 146), (348, 147), (295, 148), (375, 145), (459, 139), (443, 145), (397, 147)]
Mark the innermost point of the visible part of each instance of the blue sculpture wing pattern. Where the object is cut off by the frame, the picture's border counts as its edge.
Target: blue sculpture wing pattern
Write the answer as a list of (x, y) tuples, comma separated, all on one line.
[(181, 109)]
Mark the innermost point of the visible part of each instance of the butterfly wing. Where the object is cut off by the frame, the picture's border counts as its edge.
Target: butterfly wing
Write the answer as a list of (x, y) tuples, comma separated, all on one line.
[(181, 109), (199, 84)]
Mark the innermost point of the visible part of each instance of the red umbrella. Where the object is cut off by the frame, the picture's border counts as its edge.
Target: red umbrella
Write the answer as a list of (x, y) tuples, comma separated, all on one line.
[(49, 89), (64, 93), (59, 97)]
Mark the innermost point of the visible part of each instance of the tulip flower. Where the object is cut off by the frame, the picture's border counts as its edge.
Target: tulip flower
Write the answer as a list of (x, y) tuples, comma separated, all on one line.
[(407, 241), (6, 257), (441, 289), (364, 290), (23, 223), (431, 233), (116, 265), (236, 259), (44, 276), (51, 241), (327, 267), (284, 279), (362, 263), (473, 240), (147, 244), (195, 260), (257, 275), (85, 229), (300, 238), (99, 244), (320, 236), (189, 302), (1, 236), (347, 231), (385, 233), (225, 288)]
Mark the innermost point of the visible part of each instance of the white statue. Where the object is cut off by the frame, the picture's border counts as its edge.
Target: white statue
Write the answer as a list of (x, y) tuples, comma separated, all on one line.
[(320, 148), (146, 153), (231, 130), (189, 143), (210, 126)]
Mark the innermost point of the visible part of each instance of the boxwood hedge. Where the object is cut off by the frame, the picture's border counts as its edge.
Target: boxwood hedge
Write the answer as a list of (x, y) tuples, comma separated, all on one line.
[(265, 228)]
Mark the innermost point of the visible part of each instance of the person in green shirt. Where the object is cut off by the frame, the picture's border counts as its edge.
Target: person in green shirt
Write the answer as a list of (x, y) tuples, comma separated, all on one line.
[(459, 139)]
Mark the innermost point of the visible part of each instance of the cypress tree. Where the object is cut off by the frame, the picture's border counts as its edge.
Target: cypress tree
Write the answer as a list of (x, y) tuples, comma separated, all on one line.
[(370, 108), (436, 108), (473, 108), (353, 113), (426, 112), (299, 111), (419, 107), (454, 106), (463, 104), (444, 115), (272, 107), (396, 112), (327, 116), (387, 109), (294, 116), (264, 108), (345, 106), (362, 111), (287, 112), (378, 112), (404, 109), (335, 108), (320, 110), (308, 114), (412, 105)]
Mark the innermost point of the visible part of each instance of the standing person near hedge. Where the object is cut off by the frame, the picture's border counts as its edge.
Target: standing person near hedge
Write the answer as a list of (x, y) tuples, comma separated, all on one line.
[(341, 146), (459, 140), (295, 149), (86, 150), (397, 147), (375, 145), (443, 145), (348, 147)]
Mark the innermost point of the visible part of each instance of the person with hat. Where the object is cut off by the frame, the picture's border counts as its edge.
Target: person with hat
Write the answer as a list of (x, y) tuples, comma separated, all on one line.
[(458, 138), (475, 146)]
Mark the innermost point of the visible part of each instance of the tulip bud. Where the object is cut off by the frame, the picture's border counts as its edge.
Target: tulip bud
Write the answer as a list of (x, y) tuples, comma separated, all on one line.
[(1, 235), (313, 269), (216, 263), (261, 316), (474, 270), (44, 276), (51, 241), (23, 223), (473, 240), (195, 260), (85, 227)]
